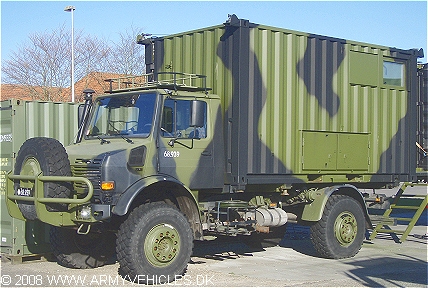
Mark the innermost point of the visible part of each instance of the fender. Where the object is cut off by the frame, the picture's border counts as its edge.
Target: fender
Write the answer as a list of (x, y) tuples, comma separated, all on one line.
[(314, 210), (127, 197)]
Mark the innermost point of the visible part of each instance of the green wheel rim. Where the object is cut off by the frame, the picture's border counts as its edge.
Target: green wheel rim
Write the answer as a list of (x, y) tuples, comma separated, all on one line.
[(30, 167), (345, 228), (162, 244)]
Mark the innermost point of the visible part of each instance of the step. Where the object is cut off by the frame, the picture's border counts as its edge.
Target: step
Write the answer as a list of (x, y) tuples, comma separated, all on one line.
[(379, 219), (404, 207), (403, 219), (390, 231)]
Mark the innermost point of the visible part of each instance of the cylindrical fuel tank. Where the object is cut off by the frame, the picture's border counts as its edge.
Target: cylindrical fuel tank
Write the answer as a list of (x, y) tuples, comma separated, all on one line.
[(271, 217)]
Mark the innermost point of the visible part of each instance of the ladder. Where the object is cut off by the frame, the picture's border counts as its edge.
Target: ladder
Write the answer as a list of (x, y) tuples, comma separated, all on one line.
[(399, 202)]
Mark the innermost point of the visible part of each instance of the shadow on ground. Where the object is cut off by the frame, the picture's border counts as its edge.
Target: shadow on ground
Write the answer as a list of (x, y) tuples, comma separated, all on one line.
[(292, 236), (368, 272)]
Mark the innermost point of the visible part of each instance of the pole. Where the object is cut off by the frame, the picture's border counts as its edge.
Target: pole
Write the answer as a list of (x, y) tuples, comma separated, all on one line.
[(72, 55), (71, 9)]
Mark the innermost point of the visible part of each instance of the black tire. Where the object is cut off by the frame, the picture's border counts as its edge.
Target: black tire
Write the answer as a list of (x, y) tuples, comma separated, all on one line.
[(154, 244), (340, 232), (82, 251), (45, 155)]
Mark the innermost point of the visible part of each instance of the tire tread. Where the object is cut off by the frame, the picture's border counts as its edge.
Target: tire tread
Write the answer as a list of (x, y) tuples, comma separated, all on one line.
[(126, 232), (319, 236)]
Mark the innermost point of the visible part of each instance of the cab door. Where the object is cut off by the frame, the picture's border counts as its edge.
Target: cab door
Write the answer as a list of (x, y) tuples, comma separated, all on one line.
[(185, 152)]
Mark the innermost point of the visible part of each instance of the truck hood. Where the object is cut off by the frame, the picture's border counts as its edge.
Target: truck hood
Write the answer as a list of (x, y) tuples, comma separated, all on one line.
[(92, 148)]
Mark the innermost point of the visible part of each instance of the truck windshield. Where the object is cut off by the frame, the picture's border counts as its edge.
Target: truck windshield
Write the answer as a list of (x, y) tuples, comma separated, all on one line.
[(116, 116)]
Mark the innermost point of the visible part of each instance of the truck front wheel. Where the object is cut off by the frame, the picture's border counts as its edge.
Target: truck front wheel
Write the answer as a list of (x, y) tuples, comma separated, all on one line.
[(340, 232), (154, 244)]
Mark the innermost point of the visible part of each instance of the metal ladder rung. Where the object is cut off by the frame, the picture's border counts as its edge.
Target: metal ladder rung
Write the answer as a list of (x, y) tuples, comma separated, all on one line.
[(379, 219), (390, 231), (403, 219), (405, 207)]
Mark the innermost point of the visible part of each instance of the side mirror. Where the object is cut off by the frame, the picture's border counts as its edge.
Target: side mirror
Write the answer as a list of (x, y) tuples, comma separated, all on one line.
[(197, 116), (80, 114)]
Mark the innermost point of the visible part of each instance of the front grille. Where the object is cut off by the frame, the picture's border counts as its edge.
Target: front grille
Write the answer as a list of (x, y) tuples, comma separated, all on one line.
[(90, 169)]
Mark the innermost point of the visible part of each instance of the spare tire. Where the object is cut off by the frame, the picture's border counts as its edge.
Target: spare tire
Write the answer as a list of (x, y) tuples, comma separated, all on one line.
[(48, 156)]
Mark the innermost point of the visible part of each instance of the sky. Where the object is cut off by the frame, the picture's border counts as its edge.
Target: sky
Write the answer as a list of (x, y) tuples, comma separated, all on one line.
[(401, 24)]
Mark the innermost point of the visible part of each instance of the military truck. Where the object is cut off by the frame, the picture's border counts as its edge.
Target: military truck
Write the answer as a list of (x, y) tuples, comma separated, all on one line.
[(235, 129)]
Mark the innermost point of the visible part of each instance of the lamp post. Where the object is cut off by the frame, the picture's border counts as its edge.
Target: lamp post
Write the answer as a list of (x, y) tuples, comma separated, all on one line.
[(71, 9)]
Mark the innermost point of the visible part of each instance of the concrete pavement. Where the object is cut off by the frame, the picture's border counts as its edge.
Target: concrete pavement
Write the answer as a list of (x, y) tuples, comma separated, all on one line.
[(233, 262)]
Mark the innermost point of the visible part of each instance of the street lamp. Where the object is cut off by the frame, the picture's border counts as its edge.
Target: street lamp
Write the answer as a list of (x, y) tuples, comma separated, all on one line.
[(71, 9)]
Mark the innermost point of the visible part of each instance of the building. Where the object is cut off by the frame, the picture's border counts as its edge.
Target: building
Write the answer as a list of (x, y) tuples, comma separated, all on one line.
[(94, 80)]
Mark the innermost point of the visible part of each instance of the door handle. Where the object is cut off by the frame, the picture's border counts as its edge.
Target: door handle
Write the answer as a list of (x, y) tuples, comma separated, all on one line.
[(206, 153)]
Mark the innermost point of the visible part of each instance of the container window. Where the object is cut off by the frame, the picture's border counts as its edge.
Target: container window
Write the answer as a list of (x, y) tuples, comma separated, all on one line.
[(393, 73)]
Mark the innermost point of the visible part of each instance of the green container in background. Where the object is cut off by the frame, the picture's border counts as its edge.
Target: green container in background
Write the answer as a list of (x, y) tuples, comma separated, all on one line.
[(21, 120)]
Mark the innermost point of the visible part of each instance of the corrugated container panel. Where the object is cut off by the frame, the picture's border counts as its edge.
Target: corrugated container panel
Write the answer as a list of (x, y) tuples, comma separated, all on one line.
[(197, 51), (423, 106), (21, 120), (276, 84)]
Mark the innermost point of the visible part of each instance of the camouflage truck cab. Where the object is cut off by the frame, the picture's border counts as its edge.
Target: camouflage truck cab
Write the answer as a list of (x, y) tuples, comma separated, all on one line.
[(276, 126)]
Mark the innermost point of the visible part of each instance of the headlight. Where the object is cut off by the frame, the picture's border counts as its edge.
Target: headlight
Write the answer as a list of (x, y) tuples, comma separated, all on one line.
[(85, 212)]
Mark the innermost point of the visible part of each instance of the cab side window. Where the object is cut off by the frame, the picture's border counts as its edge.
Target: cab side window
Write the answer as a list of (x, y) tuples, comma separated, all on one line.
[(176, 120)]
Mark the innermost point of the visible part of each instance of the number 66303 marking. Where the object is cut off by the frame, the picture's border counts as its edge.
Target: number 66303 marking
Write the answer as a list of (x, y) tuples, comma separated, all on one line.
[(171, 154)]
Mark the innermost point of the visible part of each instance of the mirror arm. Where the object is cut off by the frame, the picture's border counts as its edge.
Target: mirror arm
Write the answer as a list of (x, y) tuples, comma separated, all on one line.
[(175, 140)]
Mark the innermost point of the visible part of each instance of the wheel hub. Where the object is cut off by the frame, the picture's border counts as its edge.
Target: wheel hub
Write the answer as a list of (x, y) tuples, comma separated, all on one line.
[(345, 228), (162, 244), (31, 167)]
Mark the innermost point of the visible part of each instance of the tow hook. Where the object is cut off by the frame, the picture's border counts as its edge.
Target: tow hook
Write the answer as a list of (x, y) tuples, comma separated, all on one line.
[(79, 230)]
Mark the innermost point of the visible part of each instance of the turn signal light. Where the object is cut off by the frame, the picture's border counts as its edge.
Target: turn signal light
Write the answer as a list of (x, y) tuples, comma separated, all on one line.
[(107, 185)]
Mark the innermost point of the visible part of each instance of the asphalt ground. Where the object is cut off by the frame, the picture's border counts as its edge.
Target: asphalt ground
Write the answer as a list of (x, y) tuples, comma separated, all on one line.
[(281, 259)]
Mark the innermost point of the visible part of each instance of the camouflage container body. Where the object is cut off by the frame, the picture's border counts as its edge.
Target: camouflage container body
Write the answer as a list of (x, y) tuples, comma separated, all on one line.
[(299, 107)]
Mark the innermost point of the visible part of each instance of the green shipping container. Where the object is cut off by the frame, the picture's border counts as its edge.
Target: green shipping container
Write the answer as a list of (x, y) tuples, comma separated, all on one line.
[(422, 118), (21, 120), (299, 107)]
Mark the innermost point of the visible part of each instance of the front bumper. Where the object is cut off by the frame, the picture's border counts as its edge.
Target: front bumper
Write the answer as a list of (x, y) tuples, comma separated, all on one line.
[(70, 217)]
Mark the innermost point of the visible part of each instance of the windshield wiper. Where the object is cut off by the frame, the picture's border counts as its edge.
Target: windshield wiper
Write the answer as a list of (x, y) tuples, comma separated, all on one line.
[(120, 134), (126, 139), (103, 140)]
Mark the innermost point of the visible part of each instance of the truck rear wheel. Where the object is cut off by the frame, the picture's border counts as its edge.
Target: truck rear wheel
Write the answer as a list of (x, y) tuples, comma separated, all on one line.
[(340, 232), (154, 244), (82, 251), (48, 156)]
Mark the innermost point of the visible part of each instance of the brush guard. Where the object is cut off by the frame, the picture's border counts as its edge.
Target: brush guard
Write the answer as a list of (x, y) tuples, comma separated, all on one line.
[(67, 218)]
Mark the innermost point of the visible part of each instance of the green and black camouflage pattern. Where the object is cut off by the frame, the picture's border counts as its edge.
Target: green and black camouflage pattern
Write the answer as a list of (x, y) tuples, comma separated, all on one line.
[(299, 107)]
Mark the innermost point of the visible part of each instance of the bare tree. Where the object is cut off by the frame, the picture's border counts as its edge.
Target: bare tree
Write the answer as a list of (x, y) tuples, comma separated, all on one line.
[(127, 56), (43, 66), (91, 55)]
